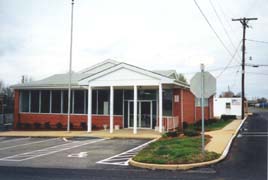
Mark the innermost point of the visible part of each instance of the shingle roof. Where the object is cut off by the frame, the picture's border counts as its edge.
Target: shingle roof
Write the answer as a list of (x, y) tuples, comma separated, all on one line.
[(62, 80)]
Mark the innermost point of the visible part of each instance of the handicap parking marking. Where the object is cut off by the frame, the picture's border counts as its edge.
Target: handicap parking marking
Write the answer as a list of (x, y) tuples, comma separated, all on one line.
[(30, 143), (123, 158), (49, 150), (14, 140)]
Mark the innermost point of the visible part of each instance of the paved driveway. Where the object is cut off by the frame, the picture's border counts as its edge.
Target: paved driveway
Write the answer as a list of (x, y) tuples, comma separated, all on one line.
[(75, 153)]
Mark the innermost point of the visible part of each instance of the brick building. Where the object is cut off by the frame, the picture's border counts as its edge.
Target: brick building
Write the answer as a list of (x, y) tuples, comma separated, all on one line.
[(110, 93)]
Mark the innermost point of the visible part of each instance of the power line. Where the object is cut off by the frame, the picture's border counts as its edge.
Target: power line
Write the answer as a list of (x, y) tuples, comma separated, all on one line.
[(227, 19), (230, 61), (212, 28), (252, 40), (220, 20), (212, 70), (257, 73)]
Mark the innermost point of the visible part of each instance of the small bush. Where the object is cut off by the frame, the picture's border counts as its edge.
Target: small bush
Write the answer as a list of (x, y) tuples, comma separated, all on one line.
[(190, 132), (59, 125), (71, 125), (47, 125), (198, 123), (94, 127), (37, 125), (164, 135), (19, 125), (83, 125), (185, 125), (211, 121), (172, 134), (27, 126), (228, 117)]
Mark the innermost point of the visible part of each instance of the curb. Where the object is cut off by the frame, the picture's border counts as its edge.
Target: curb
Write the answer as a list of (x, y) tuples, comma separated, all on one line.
[(188, 166)]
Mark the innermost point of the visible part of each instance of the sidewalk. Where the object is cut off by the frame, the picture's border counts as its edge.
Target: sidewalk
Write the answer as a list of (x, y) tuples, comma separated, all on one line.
[(221, 138), (122, 133)]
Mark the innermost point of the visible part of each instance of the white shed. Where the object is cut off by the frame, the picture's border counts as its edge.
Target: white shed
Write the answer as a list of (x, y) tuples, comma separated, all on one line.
[(227, 106)]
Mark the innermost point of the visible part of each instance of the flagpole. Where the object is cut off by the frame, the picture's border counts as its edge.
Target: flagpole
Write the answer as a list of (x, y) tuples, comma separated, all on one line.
[(70, 71)]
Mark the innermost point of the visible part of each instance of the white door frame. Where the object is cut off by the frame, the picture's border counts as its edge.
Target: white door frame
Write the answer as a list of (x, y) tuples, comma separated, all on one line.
[(139, 113)]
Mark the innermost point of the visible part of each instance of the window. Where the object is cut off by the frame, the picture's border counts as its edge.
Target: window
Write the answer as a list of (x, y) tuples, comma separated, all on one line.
[(65, 101), (128, 94), (228, 105), (35, 101), (56, 102), (45, 101), (118, 102), (167, 102), (146, 94), (198, 102), (24, 104), (94, 102), (79, 102), (103, 101)]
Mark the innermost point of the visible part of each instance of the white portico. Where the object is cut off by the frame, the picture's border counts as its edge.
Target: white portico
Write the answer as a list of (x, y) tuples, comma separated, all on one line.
[(125, 76)]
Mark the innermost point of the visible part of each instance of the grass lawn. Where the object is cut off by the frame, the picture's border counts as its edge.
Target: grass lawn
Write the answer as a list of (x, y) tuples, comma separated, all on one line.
[(213, 126), (175, 151)]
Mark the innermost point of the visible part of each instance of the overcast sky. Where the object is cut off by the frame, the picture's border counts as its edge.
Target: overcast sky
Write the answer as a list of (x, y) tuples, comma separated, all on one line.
[(154, 34)]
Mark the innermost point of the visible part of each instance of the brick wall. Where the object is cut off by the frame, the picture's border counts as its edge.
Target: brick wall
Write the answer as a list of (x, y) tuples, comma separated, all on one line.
[(76, 120), (16, 107)]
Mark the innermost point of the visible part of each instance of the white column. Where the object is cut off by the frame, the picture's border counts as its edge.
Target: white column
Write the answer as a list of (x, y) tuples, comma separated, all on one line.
[(89, 115), (135, 110), (160, 108), (111, 109)]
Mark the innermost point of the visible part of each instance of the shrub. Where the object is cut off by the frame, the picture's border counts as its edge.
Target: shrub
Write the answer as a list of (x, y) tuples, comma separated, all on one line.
[(59, 125), (185, 125), (94, 127), (198, 123), (211, 121), (37, 125), (71, 125), (47, 125), (19, 125), (228, 117), (191, 132), (83, 125), (164, 135), (27, 125), (172, 134)]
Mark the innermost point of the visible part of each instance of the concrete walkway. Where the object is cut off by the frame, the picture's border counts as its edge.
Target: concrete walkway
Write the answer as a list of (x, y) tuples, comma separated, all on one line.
[(221, 138), (122, 133)]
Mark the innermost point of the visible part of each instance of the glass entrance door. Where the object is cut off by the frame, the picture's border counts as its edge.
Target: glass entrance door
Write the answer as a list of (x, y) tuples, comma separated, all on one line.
[(144, 114)]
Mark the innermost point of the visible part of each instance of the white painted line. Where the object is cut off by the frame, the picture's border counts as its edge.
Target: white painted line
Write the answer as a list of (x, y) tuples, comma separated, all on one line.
[(115, 160), (36, 142), (47, 151), (254, 133), (13, 140)]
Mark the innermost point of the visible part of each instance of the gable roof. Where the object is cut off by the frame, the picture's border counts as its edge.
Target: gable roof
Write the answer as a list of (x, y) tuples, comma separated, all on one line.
[(62, 80)]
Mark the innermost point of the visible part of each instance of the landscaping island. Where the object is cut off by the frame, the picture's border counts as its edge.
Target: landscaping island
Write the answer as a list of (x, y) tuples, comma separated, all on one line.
[(177, 148)]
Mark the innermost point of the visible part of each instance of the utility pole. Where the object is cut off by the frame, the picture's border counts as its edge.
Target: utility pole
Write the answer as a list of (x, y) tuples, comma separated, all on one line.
[(244, 21), (70, 71)]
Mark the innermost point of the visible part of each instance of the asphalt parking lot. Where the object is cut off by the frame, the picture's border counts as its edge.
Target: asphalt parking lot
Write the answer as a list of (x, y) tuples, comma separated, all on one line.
[(72, 153)]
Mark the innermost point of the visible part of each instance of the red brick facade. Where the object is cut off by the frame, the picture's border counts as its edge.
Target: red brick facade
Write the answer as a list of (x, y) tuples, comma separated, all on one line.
[(186, 98), (53, 119), (191, 113)]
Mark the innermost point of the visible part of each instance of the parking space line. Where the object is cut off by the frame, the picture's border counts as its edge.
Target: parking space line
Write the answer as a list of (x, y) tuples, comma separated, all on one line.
[(49, 150), (123, 158), (14, 140), (36, 142)]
